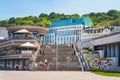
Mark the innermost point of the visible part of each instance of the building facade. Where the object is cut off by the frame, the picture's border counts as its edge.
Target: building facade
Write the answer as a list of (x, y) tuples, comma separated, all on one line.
[(66, 30), (21, 47), (110, 45), (90, 33), (3, 33)]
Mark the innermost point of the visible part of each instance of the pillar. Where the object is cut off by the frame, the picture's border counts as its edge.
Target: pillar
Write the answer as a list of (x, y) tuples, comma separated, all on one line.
[(105, 51), (116, 50), (108, 51), (117, 53), (4, 64), (112, 50), (11, 64), (21, 64)]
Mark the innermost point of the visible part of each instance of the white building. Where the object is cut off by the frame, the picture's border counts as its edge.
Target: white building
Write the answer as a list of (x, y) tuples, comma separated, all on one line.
[(90, 33), (66, 30), (3, 33)]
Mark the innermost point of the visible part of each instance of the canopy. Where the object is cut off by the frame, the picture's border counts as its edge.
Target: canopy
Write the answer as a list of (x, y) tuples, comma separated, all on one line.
[(28, 45), (23, 31)]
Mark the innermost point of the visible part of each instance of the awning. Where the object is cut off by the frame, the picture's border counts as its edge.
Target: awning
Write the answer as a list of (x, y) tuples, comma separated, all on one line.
[(23, 31), (28, 45)]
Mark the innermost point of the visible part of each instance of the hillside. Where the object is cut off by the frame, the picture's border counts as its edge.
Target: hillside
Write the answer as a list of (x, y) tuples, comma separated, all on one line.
[(112, 17)]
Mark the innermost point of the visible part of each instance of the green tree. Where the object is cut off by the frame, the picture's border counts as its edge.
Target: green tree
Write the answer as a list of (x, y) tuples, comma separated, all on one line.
[(4, 23)]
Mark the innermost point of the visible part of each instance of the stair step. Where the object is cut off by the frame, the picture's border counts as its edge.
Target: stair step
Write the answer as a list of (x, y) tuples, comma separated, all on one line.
[(66, 60)]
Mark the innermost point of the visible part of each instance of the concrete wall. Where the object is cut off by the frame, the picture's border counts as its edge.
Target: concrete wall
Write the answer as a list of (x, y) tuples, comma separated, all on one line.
[(106, 40)]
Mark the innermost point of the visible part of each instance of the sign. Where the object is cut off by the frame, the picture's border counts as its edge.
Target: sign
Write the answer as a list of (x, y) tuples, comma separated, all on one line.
[(26, 52)]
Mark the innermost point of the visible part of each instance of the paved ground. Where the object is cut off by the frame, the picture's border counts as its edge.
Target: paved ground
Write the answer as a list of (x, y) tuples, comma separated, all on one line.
[(52, 75)]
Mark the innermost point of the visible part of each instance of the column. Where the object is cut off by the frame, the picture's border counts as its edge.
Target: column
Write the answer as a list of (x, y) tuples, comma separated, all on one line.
[(11, 64), (4, 64), (105, 51), (21, 64), (108, 51), (112, 50), (116, 50)]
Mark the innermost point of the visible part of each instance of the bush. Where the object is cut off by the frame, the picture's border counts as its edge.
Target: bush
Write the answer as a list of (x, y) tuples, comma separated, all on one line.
[(94, 68), (102, 59), (89, 59)]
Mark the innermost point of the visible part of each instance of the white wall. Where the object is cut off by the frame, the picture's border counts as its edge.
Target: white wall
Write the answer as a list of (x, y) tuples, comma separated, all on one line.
[(3, 33)]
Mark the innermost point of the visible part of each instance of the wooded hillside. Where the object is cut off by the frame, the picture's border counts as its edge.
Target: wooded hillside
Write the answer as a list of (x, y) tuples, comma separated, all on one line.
[(112, 17)]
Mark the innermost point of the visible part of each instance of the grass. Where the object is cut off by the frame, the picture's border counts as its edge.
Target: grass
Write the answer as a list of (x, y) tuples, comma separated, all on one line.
[(116, 74)]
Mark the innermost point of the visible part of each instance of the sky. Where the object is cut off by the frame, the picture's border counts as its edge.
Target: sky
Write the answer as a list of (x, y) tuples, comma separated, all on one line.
[(22, 8)]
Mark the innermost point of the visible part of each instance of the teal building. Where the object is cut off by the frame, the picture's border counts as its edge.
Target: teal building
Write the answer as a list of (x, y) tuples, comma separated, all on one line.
[(66, 30)]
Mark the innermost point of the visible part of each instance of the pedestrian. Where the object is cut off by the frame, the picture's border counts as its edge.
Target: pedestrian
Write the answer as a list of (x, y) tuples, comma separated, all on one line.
[(41, 65), (72, 45), (17, 67), (24, 67), (43, 52), (45, 65), (30, 67)]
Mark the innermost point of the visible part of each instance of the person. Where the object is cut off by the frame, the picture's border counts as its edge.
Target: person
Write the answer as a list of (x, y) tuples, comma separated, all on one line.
[(24, 67), (45, 60), (43, 52), (41, 65), (30, 67), (72, 45), (17, 66), (74, 53), (40, 52), (45, 65), (47, 45)]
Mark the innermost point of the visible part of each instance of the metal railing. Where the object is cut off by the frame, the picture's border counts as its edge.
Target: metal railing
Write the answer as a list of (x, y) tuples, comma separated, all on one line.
[(81, 59)]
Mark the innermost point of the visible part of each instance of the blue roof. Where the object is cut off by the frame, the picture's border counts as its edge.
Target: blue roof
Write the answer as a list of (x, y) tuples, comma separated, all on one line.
[(66, 22)]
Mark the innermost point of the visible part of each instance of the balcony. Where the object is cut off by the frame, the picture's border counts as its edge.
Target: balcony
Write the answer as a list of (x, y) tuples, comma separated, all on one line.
[(15, 42), (17, 56)]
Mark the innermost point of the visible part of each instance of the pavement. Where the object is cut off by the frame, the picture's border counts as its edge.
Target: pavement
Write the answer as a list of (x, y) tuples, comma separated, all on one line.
[(52, 75)]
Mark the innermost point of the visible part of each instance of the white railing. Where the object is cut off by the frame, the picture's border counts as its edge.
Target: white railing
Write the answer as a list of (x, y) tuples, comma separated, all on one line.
[(16, 42), (16, 56)]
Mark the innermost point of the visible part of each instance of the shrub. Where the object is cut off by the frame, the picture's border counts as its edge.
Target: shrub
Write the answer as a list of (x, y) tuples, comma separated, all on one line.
[(95, 68), (89, 59)]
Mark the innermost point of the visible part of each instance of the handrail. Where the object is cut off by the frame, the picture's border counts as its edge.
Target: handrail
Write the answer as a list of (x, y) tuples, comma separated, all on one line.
[(36, 54), (81, 59)]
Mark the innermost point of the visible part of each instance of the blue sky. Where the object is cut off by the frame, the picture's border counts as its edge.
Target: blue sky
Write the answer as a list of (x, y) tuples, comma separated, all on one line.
[(22, 8)]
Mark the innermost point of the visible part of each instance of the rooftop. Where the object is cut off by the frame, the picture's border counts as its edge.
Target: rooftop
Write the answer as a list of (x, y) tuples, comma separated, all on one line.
[(66, 22), (40, 30)]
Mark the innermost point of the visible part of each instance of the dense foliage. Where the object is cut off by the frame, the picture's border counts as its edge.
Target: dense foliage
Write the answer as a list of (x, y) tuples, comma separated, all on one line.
[(112, 17)]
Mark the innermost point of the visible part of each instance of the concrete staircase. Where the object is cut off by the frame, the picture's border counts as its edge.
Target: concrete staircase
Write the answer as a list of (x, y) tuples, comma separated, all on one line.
[(66, 59)]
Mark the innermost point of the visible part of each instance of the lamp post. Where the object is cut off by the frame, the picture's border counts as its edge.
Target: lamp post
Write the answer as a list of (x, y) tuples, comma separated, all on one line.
[(56, 51)]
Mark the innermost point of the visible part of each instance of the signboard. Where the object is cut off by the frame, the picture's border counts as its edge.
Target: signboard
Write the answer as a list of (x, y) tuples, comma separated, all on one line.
[(26, 52)]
